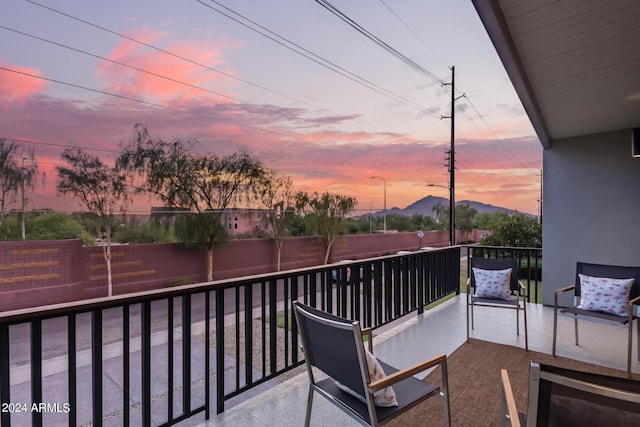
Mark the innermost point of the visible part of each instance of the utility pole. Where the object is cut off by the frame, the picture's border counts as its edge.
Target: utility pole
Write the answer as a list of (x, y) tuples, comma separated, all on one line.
[(452, 159)]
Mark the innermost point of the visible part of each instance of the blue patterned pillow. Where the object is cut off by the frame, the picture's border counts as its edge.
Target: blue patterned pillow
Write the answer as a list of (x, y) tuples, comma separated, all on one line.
[(493, 284), (605, 294)]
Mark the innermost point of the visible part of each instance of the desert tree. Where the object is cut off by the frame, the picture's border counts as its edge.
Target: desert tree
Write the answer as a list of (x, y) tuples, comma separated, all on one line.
[(465, 216), (15, 176), (201, 186), (328, 211), (276, 196), (101, 189)]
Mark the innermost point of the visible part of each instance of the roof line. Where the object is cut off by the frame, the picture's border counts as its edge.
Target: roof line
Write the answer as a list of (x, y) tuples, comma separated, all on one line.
[(496, 26)]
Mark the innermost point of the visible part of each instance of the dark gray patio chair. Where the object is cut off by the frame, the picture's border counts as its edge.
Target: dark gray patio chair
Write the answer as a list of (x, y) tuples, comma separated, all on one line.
[(567, 398), (515, 300), (577, 313), (335, 346)]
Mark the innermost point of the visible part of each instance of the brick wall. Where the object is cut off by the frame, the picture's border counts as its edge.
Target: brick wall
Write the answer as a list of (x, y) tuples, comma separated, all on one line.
[(34, 273)]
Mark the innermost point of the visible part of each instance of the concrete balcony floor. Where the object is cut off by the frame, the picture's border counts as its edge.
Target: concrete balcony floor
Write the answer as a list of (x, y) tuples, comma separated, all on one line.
[(440, 330)]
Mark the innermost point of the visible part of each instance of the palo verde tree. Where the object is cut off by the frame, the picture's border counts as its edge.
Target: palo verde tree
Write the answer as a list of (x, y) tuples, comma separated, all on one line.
[(465, 215), (101, 189), (15, 175), (278, 199), (202, 186), (328, 212)]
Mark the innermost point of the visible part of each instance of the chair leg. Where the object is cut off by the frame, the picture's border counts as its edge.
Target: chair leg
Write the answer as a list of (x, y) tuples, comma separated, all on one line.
[(526, 335), (307, 418), (575, 321), (555, 329), (468, 316), (629, 348), (518, 319), (445, 394), (472, 325)]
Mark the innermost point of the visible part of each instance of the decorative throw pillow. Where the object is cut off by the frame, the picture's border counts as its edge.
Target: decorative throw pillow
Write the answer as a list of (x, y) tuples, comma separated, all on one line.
[(385, 397), (493, 283), (605, 294)]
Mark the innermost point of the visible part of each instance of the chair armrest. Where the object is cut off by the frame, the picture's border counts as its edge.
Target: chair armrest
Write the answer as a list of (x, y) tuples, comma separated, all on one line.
[(408, 372), (559, 291), (369, 333), (523, 289), (508, 400), (468, 285), (636, 300), (565, 289)]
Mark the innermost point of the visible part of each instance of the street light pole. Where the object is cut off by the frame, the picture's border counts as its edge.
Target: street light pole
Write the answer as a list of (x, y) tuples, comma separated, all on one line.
[(385, 200)]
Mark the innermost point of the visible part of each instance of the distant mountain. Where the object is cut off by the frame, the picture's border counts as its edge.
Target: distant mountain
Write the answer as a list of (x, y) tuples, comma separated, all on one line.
[(425, 206)]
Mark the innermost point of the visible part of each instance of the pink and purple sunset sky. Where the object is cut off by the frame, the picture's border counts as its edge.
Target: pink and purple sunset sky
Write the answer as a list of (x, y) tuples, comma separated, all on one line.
[(68, 78)]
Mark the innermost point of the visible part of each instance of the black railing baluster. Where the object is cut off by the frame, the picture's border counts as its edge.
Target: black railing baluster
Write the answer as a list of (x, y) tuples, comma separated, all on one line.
[(294, 327), (273, 301), (263, 326), (238, 360), (126, 366), (96, 351), (5, 381), (207, 356), (71, 369), (285, 298), (219, 296), (36, 370), (145, 338), (186, 353), (170, 358), (378, 295), (248, 334)]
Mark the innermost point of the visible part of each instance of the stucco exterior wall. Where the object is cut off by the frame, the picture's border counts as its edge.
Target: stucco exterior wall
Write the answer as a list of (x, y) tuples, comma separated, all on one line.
[(591, 206)]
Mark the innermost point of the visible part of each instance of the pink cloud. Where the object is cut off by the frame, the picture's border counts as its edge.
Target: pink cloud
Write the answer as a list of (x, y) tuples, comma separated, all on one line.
[(167, 78), (17, 87)]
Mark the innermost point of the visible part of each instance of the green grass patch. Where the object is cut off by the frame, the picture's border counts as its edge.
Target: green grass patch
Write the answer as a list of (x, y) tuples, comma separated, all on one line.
[(280, 320)]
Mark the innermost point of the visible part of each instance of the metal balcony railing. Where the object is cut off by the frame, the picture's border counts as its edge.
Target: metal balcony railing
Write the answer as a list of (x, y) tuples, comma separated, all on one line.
[(161, 357)]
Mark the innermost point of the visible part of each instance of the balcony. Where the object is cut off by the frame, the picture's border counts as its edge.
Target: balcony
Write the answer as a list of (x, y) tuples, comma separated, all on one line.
[(84, 360), (440, 330)]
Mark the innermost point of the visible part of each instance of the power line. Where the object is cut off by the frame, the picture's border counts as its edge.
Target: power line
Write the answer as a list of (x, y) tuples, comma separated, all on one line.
[(414, 33), (167, 52), (464, 111), (300, 50), (122, 64), (354, 77), (128, 98), (51, 144), (379, 41)]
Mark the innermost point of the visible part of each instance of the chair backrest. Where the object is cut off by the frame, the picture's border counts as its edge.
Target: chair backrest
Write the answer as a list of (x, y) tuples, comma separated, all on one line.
[(565, 397), (333, 345), (611, 271), (497, 264)]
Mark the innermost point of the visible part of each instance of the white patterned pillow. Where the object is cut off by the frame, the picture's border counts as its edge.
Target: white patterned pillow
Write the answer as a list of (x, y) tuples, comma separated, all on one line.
[(385, 397), (492, 283), (605, 294)]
